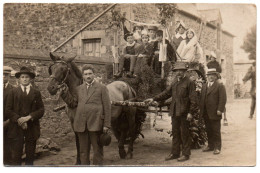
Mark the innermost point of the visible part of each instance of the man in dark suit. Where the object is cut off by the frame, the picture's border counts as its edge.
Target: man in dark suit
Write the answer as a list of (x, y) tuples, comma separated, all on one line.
[(184, 101), (24, 109), (7, 88), (212, 105), (93, 115), (251, 74)]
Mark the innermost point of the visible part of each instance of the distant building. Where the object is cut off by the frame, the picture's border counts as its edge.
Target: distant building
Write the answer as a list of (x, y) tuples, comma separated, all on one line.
[(240, 70)]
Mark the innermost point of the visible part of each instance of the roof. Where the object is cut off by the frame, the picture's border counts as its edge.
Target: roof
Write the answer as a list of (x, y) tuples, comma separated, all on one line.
[(190, 7), (211, 15), (199, 18)]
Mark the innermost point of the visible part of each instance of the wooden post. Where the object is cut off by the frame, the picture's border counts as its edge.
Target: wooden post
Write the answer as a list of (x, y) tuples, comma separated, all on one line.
[(165, 53)]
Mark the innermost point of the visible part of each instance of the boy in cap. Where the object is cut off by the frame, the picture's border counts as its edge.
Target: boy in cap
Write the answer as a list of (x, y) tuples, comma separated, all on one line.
[(212, 105), (183, 105), (7, 89), (130, 52), (152, 33), (24, 109), (146, 49)]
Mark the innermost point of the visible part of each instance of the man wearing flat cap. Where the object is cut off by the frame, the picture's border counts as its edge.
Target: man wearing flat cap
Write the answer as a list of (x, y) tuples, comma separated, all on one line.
[(24, 109), (7, 88), (212, 105), (183, 105)]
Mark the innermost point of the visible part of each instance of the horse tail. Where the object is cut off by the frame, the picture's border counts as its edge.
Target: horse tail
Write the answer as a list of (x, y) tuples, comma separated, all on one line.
[(131, 90)]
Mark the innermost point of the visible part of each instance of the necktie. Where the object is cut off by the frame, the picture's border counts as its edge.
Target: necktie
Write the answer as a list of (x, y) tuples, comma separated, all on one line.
[(25, 91)]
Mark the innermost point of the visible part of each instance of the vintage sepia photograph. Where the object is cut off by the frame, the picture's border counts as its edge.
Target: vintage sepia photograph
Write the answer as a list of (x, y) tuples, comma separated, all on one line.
[(129, 84)]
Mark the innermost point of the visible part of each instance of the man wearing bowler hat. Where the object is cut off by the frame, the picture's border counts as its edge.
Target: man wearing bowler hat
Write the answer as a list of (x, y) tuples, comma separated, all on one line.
[(7, 89), (184, 101), (24, 109), (212, 105)]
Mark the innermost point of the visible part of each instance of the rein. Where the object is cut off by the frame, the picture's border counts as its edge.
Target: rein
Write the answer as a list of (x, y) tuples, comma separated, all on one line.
[(66, 76)]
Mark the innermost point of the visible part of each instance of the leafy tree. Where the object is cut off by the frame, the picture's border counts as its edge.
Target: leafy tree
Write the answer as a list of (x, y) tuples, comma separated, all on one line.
[(249, 44), (166, 12)]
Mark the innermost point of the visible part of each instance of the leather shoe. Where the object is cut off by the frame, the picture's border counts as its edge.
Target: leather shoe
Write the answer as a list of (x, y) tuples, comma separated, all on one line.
[(119, 74), (129, 74), (183, 158), (207, 149), (171, 157), (216, 151)]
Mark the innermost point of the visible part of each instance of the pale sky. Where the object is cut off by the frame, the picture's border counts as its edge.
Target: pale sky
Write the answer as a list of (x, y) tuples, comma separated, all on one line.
[(237, 19)]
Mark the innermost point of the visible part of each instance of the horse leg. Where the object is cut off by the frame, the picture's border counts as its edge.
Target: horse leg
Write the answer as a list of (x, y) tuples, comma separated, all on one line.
[(131, 122), (114, 125), (121, 148), (78, 162)]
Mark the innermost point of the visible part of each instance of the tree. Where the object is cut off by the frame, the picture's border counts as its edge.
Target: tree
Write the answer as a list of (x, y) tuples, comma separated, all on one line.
[(249, 44)]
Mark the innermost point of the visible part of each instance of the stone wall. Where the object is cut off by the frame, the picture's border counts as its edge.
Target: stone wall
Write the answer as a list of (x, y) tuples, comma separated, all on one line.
[(54, 125), (45, 26)]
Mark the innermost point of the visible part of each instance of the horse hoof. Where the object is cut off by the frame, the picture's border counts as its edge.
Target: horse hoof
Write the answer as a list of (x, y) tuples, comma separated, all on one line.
[(129, 155), (122, 154)]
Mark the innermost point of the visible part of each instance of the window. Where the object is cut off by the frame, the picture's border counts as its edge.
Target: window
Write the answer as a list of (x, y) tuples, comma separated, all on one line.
[(91, 47)]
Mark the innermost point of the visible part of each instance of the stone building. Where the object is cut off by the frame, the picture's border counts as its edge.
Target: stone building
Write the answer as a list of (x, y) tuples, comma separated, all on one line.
[(31, 31)]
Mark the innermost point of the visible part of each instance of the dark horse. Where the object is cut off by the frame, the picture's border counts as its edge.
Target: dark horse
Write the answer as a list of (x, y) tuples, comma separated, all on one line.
[(251, 74), (124, 119)]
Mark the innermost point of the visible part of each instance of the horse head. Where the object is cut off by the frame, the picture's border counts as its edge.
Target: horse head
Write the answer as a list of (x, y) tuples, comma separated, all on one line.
[(59, 70)]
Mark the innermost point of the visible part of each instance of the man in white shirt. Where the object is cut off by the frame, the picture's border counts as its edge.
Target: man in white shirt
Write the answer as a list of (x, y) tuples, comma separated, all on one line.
[(24, 109)]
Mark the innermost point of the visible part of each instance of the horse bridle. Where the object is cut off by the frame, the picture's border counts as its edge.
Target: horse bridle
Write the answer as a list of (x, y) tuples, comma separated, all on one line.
[(67, 73)]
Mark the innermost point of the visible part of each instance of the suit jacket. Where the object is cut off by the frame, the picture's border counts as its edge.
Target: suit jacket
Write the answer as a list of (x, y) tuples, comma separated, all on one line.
[(13, 110), (171, 56), (184, 97), (93, 107), (7, 90), (213, 99)]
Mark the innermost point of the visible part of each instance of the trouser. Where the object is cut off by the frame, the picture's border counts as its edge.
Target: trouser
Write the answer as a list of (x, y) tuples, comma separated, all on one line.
[(180, 135), (213, 133), (7, 151), (122, 63), (157, 65), (16, 148), (253, 102), (86, 139)]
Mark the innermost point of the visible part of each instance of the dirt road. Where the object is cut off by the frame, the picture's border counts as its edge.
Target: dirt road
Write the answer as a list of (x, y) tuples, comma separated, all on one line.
[(238, 141)]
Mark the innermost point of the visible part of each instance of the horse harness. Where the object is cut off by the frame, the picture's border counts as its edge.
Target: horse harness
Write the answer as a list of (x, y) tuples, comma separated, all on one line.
[(67, 73)]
